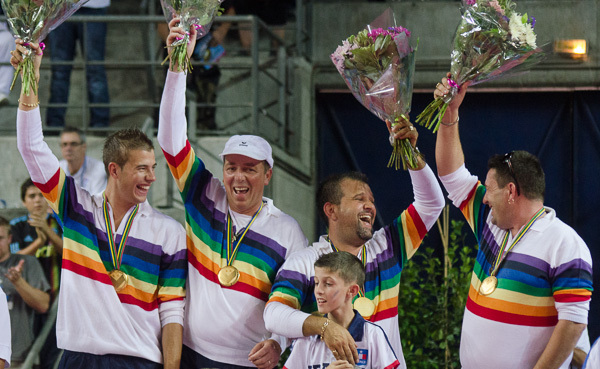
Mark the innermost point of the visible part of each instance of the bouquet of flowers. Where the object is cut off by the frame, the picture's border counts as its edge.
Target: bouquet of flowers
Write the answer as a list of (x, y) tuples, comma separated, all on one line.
[(378, 66), (492, 41), (197, 13), (31, 21)]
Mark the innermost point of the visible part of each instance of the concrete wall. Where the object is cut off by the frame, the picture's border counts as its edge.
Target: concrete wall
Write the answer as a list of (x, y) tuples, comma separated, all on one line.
[(435, 22)]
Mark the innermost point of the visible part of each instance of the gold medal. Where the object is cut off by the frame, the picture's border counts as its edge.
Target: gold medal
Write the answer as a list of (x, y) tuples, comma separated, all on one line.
[(488, 286), (228, 276), (118, 279), (364, 306)]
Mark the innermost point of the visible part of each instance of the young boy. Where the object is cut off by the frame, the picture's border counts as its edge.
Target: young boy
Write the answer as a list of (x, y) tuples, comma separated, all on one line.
[(338, 278)]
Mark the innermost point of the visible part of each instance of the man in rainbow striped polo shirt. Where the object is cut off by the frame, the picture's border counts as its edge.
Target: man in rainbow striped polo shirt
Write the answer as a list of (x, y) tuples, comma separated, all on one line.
[(237, 239), (532, 281), (346, 203), (124, 264)]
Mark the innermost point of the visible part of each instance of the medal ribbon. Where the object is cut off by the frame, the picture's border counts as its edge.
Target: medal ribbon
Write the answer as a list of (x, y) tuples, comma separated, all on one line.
[(502, 254), (363, 258), (116, 254), (231, 244)]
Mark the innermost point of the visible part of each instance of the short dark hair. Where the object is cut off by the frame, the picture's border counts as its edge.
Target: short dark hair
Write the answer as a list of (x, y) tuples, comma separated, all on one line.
[(25, 186), (5, 223), (331, 191), (118, 145), (527, 170), (71, 129), (348, 266)]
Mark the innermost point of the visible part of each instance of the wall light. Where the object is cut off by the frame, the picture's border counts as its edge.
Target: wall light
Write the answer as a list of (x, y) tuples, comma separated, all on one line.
[(574, 49)]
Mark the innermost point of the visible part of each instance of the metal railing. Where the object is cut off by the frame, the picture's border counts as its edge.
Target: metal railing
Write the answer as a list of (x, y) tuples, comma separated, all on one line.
[(34, 351), (250, 70)]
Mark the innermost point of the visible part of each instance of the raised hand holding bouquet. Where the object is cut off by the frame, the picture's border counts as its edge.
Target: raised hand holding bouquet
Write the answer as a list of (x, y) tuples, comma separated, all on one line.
[(197, 13), (31, 21), (492, 41), (378, 66)]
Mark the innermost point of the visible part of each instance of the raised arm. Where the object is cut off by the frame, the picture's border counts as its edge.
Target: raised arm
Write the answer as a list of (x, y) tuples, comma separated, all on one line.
[(448, 150), (172, 124), (35, 298), (39, 159)]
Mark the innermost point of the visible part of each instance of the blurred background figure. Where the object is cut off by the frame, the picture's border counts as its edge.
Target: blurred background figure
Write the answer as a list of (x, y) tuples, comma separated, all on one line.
[(89, 173), (92, 39), (22, 279)]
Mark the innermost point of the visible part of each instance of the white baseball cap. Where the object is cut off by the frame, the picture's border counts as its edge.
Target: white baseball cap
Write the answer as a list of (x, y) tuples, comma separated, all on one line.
[(254, 147)]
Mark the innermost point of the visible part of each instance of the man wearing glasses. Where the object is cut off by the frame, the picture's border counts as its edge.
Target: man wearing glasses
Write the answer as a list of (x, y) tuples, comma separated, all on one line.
[(532, 280), (87, 172)]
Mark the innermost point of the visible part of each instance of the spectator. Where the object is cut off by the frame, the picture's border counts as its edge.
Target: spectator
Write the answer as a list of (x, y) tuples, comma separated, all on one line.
[(87, 172), (38, 233), (272, 12), (5, 337), (26, 287), (62, 43), (6, 71)]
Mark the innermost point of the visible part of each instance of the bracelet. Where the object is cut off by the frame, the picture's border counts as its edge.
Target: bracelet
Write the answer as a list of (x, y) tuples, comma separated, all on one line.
[(450, 124), (29, 105), (324, 328)]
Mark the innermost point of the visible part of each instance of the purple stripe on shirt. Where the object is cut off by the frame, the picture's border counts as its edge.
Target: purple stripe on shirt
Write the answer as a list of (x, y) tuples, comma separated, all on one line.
[(268, 242), (296, 276), (573, 264)]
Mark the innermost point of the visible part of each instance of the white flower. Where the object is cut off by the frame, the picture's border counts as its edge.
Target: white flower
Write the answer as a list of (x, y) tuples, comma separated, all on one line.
[(521, 32)]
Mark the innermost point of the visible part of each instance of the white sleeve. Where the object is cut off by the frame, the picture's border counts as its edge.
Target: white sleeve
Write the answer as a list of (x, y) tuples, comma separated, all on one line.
[(429, 199), (171, 312), (284, 320), (298, 358), (459, 184), (39, 159), (5, 338), (172, 124)]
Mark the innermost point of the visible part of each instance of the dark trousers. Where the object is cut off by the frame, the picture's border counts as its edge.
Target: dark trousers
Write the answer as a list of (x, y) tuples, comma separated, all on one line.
[(190, 359), (62, 42), (81, 360)]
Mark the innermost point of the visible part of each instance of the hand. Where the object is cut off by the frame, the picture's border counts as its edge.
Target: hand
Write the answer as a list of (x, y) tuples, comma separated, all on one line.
[(177, 33), (403, 129), (42, 236), (265, 355), (21, 51), (14, 273), (443, 88), (340, 364), (39, 221), (341, 343)]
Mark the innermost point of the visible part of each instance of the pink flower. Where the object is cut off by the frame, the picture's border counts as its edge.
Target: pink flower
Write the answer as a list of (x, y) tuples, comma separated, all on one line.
[(390, 31), (471, 2), (494, 4)]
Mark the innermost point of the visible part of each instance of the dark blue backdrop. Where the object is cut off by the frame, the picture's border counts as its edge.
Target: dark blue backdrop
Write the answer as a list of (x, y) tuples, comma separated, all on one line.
[(561, 128)]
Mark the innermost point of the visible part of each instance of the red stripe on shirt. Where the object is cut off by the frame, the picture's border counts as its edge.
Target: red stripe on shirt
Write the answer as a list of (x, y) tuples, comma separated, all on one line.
[(471, 194), (177, 159), (508, 318), (418, 222), (50, 185)]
